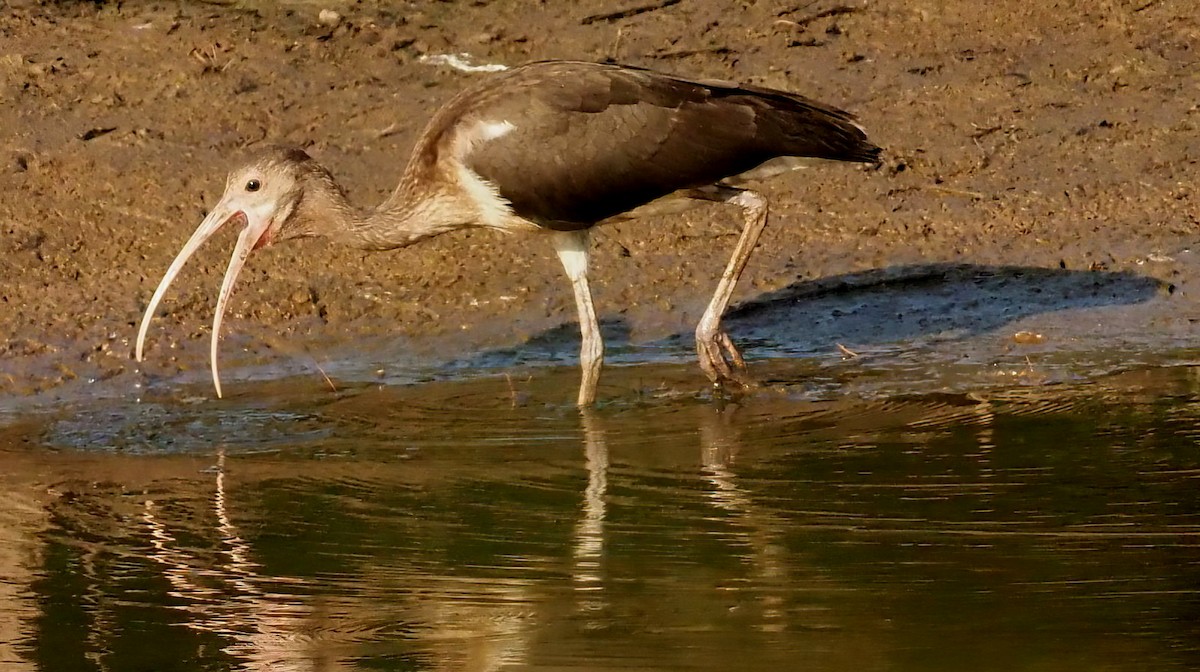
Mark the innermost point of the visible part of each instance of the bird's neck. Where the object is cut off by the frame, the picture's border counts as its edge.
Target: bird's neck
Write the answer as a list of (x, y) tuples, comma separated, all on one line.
[(406, 217)]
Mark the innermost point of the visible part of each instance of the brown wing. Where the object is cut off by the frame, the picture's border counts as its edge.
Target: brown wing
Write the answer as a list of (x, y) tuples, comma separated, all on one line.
[(590, 141)]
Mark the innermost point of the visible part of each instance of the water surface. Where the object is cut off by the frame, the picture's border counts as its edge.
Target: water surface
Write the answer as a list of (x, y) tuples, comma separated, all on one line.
[(482, 525)]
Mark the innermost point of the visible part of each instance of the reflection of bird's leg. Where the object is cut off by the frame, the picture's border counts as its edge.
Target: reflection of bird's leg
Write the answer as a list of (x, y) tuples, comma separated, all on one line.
[(572, 248), (719, 446), (985, 437), (589, 533), (718, 449), (719, 357)]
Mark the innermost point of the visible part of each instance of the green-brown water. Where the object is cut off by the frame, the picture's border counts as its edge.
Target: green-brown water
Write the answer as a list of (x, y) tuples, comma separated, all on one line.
[(449, 526)]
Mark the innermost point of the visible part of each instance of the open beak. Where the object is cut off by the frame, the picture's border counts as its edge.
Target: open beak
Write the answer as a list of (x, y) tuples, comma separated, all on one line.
[(255, 234)]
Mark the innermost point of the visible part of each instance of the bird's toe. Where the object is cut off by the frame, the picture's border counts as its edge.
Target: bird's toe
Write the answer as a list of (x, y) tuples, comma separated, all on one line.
[(722, 362)]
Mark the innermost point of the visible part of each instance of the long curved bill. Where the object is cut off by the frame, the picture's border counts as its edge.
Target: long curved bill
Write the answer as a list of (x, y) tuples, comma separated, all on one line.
[(250, 238)]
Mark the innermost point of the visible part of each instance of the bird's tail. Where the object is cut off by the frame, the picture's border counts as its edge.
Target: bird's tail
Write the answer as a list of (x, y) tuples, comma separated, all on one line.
[(798, 126)]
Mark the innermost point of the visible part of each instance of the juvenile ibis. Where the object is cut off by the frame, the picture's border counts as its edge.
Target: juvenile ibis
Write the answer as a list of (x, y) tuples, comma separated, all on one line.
[(554, 147)]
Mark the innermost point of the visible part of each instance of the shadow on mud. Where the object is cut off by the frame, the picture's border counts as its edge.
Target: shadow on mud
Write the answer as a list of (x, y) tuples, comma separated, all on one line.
[(902, 306), (929, 301)]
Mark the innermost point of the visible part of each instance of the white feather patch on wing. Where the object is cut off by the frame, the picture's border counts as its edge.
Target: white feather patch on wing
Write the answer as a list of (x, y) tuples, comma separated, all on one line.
[(494, 211)]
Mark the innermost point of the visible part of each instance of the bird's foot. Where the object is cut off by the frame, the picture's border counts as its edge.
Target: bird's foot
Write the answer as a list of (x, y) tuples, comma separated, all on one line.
[(721, 361)]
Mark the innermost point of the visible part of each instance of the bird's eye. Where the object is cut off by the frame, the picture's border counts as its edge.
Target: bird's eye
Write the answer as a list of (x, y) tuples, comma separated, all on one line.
[(253, 185)]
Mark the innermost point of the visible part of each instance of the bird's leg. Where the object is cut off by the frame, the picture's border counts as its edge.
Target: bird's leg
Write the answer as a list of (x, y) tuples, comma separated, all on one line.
[(719, 357), (572, 248)]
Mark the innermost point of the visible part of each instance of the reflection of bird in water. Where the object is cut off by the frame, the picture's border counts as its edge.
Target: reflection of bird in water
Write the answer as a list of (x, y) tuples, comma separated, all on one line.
[(481, 628), (557, 147), (264, 627)]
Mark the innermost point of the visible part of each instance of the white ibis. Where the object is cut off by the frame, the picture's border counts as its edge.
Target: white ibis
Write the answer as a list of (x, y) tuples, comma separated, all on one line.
[(556, 147)]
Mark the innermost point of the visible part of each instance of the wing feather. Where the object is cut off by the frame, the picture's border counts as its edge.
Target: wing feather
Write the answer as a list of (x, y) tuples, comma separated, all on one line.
[(590, 141)]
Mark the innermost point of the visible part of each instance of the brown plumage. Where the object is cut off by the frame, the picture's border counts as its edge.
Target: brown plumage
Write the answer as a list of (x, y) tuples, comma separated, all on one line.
[(556, 146)]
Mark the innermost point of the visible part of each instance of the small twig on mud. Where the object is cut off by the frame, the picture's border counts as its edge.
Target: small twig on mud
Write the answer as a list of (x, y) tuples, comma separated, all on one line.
[(208, 59), (793, 10), (325, 376), (392, 129), (956, 192), (93, 133), (847, 353), (984, 131), (617, 43), (684, 53), (832, 11), (626, 13), (1031, 371)]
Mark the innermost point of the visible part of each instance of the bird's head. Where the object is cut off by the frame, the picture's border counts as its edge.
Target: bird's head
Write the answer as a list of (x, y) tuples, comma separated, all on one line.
[(271, 196)]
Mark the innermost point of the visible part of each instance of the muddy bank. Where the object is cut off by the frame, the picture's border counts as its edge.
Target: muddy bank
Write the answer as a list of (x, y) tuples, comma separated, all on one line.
[(1061, 139)]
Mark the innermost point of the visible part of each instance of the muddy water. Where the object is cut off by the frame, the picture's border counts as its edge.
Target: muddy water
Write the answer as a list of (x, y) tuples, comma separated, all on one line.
[(429, 527)]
